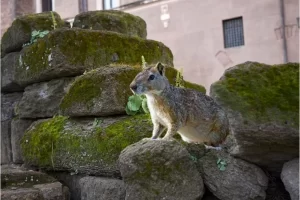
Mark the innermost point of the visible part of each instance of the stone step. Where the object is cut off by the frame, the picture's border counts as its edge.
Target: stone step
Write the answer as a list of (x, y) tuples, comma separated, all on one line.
[(19, 183)]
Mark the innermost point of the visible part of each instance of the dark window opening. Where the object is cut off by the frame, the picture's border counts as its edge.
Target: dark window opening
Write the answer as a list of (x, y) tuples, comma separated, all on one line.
[(110, 4), (83, 6), (46, 5), (233, 32)]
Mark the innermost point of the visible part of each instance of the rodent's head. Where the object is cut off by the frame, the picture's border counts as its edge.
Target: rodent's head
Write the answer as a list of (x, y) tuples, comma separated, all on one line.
[(150, 80)]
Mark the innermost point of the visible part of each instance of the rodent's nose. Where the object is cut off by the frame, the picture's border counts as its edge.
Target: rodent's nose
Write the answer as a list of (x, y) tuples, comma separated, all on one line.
[(133, 87)]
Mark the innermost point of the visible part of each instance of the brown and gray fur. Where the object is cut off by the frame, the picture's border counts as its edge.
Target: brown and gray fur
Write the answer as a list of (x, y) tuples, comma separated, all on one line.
[(194, 115)]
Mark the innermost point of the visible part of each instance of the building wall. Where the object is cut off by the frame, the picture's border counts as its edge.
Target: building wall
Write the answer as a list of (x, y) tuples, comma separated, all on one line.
[(7, 14), (195, 34)]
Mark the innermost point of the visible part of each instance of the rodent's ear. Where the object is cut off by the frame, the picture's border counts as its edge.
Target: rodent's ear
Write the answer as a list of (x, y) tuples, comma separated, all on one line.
[(160, 68)]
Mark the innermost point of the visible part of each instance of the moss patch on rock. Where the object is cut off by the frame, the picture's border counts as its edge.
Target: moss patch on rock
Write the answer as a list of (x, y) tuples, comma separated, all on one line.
[(87, 146), (69, 52), (20, 31), (112, 20), (171, 74), (261, 93), (100, 92)]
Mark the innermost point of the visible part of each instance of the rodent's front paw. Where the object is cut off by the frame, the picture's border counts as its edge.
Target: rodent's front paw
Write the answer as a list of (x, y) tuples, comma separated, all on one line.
[(145, 139)]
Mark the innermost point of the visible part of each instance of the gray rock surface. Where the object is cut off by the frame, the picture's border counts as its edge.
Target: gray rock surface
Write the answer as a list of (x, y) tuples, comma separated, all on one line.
[(262, 104), (112, 20), (239, 180), (20, 31), (6, 152), (8, 69), (42, 100), (290, 178), (19, 183), (8, 102), (159, 170), (21, 194), (101, 92), (71, 181), (18, 128), (101, 188), (53, 191)]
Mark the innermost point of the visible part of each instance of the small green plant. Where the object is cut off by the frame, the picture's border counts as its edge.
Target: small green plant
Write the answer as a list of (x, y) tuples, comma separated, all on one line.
[(136, 105), (97, 122), (179, 79), (221, 164), (35, 35), (144, 64), (53, 21)]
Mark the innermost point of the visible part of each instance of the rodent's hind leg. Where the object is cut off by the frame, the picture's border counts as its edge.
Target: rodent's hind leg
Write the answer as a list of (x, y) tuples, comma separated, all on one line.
[(172, 130), (158, 129)]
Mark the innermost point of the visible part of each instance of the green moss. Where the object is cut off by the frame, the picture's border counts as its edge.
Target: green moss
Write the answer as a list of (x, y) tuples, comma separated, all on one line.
[(113, 139), (171, 74), (262, 93), (39, 143), (93, 83), (86, 49), (112, 20), (60, 143), (194, 86)]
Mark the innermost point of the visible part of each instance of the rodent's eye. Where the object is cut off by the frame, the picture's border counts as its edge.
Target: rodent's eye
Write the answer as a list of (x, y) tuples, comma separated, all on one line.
[(151, 77)]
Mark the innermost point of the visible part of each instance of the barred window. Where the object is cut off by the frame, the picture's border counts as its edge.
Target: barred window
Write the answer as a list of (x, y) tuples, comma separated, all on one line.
[(233, 32)]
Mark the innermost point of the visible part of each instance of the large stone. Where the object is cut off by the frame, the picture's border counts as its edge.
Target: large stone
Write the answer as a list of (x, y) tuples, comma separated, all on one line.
[(18, 183), (159, 170), (6, 152), (101, 92), (101, 188), (70, 52), (8, 102), (18, 128), (238, 180), (262, 104), (20, 31), (290, 178), (82, 146), (41, 100), (8, 69), (21, 194), (53, 191), (71, 181), (112, 20)]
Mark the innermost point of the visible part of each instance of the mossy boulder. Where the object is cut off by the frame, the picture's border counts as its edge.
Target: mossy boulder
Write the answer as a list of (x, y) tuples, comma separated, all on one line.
[(262, 103), (70, 52), (84, 146), (112, 20), (158, 169), (20, 31), (100, 92)]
